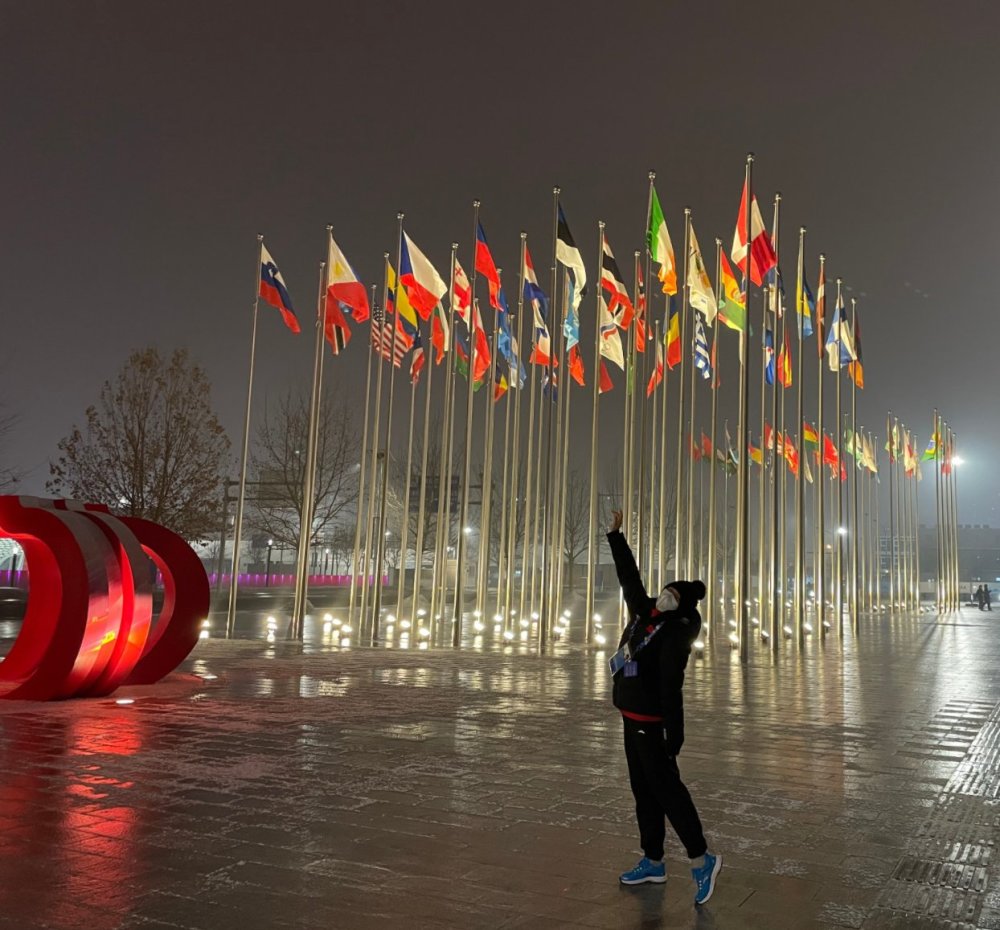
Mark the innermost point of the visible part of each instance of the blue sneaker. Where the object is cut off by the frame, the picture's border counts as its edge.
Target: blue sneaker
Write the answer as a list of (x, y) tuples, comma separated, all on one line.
[(645, 871), (704, 878)]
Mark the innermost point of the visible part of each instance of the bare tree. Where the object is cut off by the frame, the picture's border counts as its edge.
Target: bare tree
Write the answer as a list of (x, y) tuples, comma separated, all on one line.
[(8, 475), (152, 446), (278, 461), (577, 521)]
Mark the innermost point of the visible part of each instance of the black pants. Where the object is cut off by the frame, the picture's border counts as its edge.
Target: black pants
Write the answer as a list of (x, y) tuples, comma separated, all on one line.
[(659, 792)]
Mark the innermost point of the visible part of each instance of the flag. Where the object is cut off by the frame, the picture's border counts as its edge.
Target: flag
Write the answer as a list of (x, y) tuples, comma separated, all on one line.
[(553, 390), (791, 455), (948, 459), (568, 254), (839, 344), (779, 443), (870, 460), (419, 277), (272, 289), (809, 434), (849, 443), (806, 304), (440, 333), (762, 257), (619, 303), (807, 470), (700, 294), (576, 365), (660, 246), (756, 456), (657, 376), (694, 449), (775, 285), (932, 451), (343, 285), (733, 304), (641, 329), (856, 368), (487, 267), (500, 384), (830, 456), (672, 337), (482, 360), (611, 343), (702, 359), (534, 295), (335, 326), (400, 305), (461, 295), (605, 384), (785, 365), (706, 446), (387, 341), (462, 360), (417, 359), (768, 436), (768, 356)]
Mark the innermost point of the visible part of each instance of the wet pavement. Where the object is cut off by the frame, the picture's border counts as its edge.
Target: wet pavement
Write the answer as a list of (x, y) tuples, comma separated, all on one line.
[(852, 784)]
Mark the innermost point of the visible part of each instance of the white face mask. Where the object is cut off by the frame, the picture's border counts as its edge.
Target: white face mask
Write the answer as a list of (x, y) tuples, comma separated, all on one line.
[(667, 601)]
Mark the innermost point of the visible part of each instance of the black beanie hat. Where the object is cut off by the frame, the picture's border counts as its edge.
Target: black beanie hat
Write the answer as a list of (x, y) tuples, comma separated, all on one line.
[(689, 592)]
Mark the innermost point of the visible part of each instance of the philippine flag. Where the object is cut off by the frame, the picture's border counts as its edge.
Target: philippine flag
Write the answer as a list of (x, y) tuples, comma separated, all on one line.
[(424, 286), (273, 290)]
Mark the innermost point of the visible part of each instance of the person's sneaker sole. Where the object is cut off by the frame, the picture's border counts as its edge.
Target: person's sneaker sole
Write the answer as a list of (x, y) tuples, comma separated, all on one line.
[(716, 869), (648, 879)]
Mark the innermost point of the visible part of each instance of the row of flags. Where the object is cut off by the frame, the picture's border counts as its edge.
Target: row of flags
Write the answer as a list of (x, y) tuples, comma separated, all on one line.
[(423, 290)]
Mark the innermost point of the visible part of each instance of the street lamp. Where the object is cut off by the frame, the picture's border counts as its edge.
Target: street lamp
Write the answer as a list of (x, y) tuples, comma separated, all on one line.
[(267, 566)]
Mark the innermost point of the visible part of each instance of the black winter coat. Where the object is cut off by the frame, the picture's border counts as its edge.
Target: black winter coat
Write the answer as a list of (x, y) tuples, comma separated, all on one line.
[(656, 690)]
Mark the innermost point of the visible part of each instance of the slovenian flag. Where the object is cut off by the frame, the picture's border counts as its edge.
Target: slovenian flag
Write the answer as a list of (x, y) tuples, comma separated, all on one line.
[(424, 286), (273, 290), (487, 267)]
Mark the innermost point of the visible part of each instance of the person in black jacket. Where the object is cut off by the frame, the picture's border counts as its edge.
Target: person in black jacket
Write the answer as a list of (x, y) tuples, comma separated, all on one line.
[(654, 648)]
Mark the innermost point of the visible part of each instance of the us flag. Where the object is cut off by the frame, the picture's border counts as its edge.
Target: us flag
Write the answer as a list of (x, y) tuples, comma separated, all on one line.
[(382, 338)]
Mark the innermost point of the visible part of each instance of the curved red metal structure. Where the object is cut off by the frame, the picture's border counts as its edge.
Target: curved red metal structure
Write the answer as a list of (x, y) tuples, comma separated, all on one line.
[(89, 624)]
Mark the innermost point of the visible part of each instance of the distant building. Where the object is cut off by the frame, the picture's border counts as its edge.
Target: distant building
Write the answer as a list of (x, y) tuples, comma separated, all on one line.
[(978, 553)]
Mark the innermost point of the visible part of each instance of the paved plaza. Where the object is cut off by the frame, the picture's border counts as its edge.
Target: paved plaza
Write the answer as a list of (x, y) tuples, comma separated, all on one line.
[(852, 784)]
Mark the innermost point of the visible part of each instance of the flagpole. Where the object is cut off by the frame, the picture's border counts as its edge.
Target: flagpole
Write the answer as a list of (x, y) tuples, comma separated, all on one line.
[(592, 523), (546, 501), (657, 464), (770, 600), (646, 462), (380, 537), (725, 524), (780, 426), (532, 468), (442, 532), (743, 496), (860, 522), (370, 513), (854, 477), (839, 573), (404, 530), (563, 489), (309, 480), (638, 380), (244, 455), (418, 557), (689, 549), (900, 527), (360, 508), (761, 478), (678, 499), (800, 487), (515, 478), (661, 549), (711, 602), (820, 579), (506, 503), (486, 507), (953, 495)]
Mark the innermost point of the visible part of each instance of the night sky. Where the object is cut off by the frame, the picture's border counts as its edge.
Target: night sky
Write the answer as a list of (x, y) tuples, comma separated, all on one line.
[(146, 144)]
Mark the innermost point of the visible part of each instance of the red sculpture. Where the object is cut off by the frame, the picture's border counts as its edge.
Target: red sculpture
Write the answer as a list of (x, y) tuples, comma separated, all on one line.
[(89, 624)]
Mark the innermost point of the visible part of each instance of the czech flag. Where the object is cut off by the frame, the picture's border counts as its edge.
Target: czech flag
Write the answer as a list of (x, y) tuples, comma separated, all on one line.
[(273, 290), (424, 286)]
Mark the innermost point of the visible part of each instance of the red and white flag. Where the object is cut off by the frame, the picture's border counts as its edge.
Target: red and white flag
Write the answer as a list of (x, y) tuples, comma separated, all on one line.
[(657, 376), (762, 257)]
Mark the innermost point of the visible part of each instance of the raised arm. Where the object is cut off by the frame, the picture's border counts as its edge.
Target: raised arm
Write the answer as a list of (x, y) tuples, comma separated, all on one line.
[(628, 572)]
